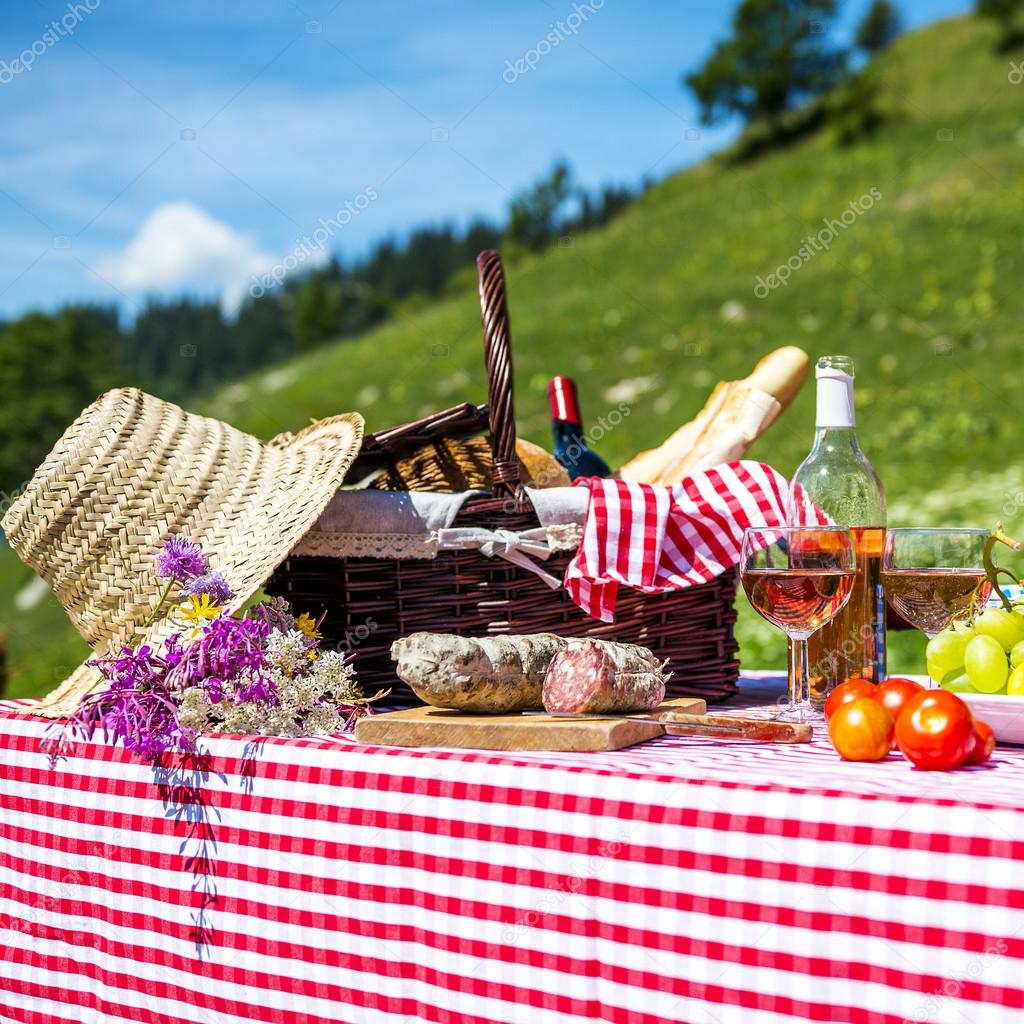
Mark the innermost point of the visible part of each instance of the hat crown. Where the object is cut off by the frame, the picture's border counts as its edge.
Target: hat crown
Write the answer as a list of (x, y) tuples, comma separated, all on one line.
[(134, 470)]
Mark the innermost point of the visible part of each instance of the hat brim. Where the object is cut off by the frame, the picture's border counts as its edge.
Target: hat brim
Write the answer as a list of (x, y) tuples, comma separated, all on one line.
[(92, 531)]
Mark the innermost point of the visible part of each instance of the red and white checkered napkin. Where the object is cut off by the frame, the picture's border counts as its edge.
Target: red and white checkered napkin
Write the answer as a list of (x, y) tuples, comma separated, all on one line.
[(655, 539)]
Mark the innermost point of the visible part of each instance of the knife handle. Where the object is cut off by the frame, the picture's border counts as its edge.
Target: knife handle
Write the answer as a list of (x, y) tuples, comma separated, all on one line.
[(759, 730)]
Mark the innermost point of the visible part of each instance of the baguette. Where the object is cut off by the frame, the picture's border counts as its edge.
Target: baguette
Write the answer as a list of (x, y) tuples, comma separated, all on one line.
[(744, 415), (781, 374), (649, 466), (734, 416)]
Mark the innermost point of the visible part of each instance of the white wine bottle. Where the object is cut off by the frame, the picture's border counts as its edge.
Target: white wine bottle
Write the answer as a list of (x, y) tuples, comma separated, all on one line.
[(836, 478)]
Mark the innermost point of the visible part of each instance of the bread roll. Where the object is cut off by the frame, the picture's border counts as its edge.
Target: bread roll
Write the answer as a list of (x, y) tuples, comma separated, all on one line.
[(538, 467)]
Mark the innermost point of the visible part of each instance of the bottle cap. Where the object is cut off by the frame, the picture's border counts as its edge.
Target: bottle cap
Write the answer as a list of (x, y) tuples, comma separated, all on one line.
[(563, 401), (835, 392)]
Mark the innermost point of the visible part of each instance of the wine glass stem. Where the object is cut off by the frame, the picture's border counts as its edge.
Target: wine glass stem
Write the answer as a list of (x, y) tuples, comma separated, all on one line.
[(797, 670)]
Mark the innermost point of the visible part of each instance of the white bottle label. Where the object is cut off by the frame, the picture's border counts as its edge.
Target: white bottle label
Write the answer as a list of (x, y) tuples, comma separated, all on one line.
[(835, 398)]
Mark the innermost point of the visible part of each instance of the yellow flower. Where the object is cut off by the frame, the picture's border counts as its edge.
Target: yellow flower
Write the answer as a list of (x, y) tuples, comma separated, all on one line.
[(306, 624), (198, 610)]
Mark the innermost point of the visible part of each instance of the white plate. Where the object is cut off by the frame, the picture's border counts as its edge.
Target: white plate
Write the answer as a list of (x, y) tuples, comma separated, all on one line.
[(1005, 714)]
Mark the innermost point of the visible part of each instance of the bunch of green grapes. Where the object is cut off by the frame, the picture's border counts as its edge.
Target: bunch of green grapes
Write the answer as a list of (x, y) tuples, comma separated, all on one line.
[(985, 655)]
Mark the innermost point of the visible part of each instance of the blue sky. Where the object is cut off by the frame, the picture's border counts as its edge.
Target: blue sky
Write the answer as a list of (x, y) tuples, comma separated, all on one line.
[(167, 147)]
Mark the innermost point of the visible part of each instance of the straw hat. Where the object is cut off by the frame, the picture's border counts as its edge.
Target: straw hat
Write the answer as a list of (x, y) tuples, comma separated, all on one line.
[(131, 472)]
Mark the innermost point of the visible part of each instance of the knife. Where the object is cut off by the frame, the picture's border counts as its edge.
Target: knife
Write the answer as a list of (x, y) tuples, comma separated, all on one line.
[(678, 723), (758, 730)]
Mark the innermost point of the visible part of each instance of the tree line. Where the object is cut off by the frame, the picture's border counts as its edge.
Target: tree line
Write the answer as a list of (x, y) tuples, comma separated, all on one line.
[(779, 71), (54, 364)]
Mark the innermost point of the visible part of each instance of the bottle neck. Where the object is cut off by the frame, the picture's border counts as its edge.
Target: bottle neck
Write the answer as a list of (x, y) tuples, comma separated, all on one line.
[(835, 403), (832, 438), (567, 433)]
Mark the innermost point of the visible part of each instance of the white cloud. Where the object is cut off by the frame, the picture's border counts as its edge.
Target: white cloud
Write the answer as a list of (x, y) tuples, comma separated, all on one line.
[(180, 244)]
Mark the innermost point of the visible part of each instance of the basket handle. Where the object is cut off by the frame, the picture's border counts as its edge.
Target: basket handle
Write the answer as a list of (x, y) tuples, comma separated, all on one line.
[(498, 357)]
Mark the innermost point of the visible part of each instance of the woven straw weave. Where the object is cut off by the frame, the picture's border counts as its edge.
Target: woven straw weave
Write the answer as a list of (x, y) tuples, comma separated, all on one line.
[(131, 472), (445, 466)]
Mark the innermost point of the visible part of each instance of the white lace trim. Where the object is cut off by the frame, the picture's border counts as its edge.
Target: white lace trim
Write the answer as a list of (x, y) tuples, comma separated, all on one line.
[(323, 544)]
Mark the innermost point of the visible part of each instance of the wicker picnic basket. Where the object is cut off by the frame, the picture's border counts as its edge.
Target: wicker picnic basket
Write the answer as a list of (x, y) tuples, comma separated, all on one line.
[(465, 592)]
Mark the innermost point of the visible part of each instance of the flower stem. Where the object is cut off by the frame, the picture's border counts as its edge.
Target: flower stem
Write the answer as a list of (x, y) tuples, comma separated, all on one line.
[(153, 614)]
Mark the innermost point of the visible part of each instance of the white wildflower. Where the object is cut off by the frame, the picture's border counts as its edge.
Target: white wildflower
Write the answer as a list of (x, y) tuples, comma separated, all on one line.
[(289, 651), (336, 677), (194, 712), (307, 694), (323, 721)]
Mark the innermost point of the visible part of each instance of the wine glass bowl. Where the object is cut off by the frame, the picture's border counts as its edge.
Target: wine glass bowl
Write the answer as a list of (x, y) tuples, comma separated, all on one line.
[(798, 578), (932, 577), (798, 601)]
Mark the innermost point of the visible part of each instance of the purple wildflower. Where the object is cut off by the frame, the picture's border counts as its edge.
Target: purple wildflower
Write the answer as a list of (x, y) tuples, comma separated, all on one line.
[(257, 688), (181, 559), (213, 690), (173, 652), (213, 584), (137, 707), (232, 650)]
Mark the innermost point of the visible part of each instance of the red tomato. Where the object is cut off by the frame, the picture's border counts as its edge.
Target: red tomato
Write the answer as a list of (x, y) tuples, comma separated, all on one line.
[(894, 694), (849, 689), (861, 730), (984, 743), (936, 730)]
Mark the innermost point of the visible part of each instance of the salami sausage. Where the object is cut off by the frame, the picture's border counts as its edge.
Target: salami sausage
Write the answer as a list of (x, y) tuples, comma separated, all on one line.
[(601, 677), (488, 675)]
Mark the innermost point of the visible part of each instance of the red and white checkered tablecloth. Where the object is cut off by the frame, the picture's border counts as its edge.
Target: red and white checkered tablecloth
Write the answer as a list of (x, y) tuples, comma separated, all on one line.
[(680, 880)]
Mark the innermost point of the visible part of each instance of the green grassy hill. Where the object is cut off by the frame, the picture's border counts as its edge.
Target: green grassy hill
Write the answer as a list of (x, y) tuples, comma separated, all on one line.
[(923, 290)]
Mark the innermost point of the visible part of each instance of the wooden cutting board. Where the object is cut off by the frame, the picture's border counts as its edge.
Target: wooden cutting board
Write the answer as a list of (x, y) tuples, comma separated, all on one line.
[(438, 727)]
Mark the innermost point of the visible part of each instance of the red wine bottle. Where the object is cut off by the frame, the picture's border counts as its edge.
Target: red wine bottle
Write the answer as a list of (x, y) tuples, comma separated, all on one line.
[(570, 444)]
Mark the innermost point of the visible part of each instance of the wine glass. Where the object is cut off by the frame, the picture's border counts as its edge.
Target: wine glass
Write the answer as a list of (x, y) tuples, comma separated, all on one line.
[(798, 578), (933, 576)]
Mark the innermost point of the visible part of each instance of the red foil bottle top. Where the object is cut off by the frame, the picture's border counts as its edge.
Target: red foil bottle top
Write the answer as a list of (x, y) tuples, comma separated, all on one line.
[(563, 401)]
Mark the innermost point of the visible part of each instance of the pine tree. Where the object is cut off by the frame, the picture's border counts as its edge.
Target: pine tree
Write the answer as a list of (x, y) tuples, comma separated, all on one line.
[(777, 56), (533, 215), (879, 27), (52, 367), (1006, 13), (316, 310)]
